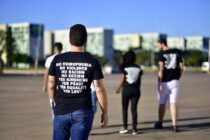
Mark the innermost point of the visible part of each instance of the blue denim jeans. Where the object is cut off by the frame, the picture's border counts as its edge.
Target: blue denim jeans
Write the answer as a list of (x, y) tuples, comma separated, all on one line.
[(94, 101), (75, 125)]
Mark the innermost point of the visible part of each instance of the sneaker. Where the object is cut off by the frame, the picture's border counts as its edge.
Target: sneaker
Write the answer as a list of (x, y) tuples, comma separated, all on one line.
[(123, 131), (134, 132), (158, 125)]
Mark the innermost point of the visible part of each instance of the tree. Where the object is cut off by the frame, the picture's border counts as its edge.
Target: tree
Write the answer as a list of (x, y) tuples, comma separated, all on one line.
[(2, 48), (118, 57), (144, 58), (194, 58), (10, 48), (101, 60), (7, 45)]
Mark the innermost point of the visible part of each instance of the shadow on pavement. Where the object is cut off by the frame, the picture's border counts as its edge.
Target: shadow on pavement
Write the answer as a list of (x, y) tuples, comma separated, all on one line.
[(180, 119), (182, 128)]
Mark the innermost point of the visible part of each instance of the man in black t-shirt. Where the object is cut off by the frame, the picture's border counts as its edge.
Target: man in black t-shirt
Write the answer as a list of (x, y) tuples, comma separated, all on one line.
[(70, 77), (170, 71)]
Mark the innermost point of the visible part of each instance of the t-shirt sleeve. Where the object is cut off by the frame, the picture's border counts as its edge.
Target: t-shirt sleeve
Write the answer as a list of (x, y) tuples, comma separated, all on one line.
[(141, 71), (47, 64), (97, 74), (179, 57), (52, 69), (160, 57), (121, 69)]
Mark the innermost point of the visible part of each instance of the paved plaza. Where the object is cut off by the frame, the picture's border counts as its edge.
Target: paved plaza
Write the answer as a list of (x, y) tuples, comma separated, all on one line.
[(25, 113)]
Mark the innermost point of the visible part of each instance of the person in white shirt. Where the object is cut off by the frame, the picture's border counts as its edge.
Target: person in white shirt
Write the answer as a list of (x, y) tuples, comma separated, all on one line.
[(57, 50)]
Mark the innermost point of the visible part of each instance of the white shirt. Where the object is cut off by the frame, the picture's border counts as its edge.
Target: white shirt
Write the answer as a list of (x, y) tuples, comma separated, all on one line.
[(92, 87), (49, 60)]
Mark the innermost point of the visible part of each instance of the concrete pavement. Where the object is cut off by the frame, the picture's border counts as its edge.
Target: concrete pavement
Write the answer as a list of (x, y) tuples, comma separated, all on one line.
[(25, 112)]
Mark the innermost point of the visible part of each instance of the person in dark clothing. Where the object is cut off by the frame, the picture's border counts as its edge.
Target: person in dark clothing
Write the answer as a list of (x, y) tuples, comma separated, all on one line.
[(70, 77), (130, 82)]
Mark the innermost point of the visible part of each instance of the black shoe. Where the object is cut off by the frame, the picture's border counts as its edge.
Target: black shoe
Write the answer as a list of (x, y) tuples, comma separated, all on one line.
[(175, 129), (158, 125)]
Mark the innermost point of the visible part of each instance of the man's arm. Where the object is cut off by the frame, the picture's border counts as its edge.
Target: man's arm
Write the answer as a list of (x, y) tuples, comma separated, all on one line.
[(160, 75), (45, 83), (122, 77), (51, 87), (102, 99), (139, 81), (181, 67)]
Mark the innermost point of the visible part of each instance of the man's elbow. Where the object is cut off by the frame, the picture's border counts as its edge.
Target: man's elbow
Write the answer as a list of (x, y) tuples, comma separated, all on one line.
[(99, 89), (50, 89)]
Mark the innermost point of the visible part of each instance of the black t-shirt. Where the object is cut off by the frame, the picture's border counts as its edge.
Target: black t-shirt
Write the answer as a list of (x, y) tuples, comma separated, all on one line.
[(132, 76), (171, 59), (74, 72)]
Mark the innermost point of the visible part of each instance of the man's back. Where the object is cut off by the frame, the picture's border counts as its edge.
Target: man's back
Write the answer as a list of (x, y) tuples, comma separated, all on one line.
[(74, 73), (171, 59), (70, 76)]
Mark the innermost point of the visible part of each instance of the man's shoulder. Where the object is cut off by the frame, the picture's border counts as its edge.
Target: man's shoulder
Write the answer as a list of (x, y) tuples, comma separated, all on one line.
[(62, 55), (90, 57), (83, 55), (50, 57), (133, 66), (49, 60), (174, 50)]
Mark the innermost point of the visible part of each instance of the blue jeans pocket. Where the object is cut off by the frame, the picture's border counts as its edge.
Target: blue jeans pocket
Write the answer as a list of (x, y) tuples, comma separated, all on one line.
[(81, 124), (82, 116)]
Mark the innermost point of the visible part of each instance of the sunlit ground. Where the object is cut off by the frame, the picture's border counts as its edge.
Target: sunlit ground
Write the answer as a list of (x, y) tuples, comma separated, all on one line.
[(25, 113)]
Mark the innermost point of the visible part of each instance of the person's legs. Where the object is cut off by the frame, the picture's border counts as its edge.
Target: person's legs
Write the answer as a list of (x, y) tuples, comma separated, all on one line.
[(134, 103), (125, 103), (161, 112), (81, 120), (162, 98), (173, 104), (61, 127), (174, 113)]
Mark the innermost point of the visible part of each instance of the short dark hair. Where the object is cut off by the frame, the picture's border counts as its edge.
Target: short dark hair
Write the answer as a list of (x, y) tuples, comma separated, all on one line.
[(78, 35), (128, 58), (162, 41), (58, 45)]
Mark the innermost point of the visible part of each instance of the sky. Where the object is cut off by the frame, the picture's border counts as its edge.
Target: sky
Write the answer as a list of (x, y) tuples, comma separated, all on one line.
[(172, 17)]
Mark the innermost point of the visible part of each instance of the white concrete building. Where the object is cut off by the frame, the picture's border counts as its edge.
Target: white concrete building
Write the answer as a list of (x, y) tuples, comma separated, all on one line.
[(149, 40), (124, 42), (176, 42)]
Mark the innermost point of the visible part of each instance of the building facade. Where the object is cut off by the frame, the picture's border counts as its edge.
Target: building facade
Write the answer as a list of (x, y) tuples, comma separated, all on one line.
[(28, 39), (48, 43), (197, 43), (124, 42), (99, 43), (176, 42), (149, 40), (63, 37)]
